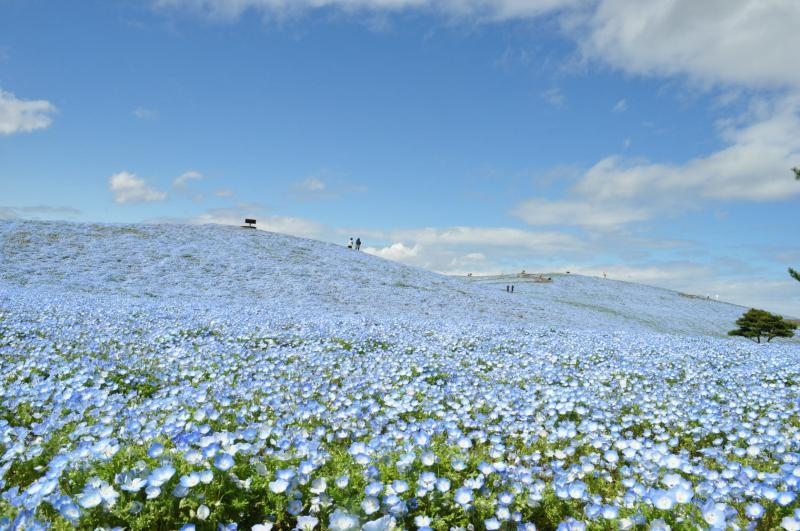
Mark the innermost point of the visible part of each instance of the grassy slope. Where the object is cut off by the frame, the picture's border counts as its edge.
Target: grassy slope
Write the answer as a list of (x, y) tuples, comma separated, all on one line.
[(300, 277)]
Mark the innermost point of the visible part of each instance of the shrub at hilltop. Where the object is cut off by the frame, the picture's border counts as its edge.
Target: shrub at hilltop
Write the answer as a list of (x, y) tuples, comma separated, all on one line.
[(755, 324)]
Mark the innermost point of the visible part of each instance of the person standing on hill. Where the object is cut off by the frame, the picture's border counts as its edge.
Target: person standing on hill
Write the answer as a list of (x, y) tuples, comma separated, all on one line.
[(350, 244), (358, 244)]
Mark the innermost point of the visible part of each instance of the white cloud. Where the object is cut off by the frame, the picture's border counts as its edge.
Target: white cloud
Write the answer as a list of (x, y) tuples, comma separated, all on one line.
[(469, 249), (129, 188), (397, 252), (223, 192), (23, 116), (620, 106), (753, 167), (183, 179), (38, 212), (752, 43), (579, 212), (542, 242), (473, 9), (143, 113), (554, 97), (311, 184), (236, 214)]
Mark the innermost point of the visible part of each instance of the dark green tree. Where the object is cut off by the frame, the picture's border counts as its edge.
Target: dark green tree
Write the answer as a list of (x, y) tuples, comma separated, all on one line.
[(755, 324), (795, 274), (796, 173)]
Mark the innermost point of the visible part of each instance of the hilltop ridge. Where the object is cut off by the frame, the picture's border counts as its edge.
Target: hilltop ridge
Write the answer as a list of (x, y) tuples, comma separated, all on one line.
[(302, 278)]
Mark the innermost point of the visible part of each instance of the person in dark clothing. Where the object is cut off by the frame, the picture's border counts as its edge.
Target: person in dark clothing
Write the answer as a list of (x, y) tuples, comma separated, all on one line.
[(512, 288), (358, 244), (508, 288)]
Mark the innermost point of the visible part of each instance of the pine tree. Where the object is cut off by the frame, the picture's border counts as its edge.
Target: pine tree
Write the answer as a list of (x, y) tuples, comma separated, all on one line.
[(795, 274), (796, 173), (755, 324)]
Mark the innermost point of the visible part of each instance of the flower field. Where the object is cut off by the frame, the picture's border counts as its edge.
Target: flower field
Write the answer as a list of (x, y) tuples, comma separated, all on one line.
[(207, 412)]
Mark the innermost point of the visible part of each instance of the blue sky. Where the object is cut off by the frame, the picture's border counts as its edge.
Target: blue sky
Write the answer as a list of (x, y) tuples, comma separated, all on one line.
[(649, 140)]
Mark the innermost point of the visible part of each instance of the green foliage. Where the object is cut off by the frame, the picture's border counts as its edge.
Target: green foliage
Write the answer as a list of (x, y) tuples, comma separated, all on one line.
[(795, 274), (755, 324), (796, 173)]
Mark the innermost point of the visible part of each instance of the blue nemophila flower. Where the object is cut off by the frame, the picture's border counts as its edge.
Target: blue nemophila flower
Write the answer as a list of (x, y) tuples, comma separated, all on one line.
[(318, 485), (90, 497), (715, 514), (190, 480), (428, 458), (223, 461), (133, 484), (571, 525), (69, 511), (342, 481), (187, 527), (491, 524), (306, 523), (278, 486), (294, 507), (422, 521), (341, 520), (502, 513), (203, 512), (385, 523), (374, 488), (398, 486), (754, 511), (785, 498), (160, 475), (442, 484), (370, 505), (790, 523), (662, 499), (155, 450), (463, 497)]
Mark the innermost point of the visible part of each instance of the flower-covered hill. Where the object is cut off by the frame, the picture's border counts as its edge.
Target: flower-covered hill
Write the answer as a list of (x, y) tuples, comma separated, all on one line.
[(207, 378), (221, 265)]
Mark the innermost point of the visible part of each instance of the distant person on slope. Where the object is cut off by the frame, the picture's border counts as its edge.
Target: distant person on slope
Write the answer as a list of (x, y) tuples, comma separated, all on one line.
[(358, 244), (350, 244)]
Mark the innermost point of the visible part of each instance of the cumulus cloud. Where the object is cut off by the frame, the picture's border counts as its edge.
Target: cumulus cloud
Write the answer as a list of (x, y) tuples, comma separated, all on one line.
[(23, 116), (398, 252), (620, 106), (129, 188), (469, 249), (737, 42), (740, 42), (223, 192), (753, 166)]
